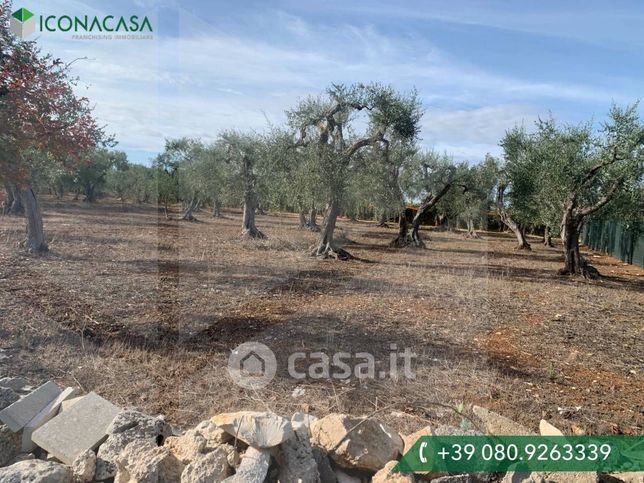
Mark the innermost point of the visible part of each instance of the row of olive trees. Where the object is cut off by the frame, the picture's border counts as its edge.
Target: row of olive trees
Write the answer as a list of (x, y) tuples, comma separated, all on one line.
[(552, 178), (558, 176), (350, 150)]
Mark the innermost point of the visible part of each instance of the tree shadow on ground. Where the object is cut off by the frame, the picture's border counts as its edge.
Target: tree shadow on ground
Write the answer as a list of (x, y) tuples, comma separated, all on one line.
[(517, 254)]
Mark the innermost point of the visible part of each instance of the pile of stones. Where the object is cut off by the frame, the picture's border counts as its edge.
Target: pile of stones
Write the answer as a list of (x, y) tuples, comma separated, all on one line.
[(54, 435)]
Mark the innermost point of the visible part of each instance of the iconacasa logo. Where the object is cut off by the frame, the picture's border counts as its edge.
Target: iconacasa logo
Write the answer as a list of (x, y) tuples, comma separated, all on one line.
[(23, 23)]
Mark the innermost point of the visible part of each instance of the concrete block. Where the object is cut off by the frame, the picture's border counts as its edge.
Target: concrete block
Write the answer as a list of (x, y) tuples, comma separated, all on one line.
[(17, 415), (81, 427), (68, 403), (42, 417)]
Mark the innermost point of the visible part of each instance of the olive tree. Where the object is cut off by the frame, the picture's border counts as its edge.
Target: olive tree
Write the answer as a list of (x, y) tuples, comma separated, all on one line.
[(291, 179), (244, 152), (588, 171), (181, 161), (132, 181), (478, 186), (333, 128), (516, 186), (89, 177), (215, 171), (428, 177)]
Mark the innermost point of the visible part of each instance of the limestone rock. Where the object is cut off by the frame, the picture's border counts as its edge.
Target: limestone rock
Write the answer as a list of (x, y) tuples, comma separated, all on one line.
[(410, 440), (327, 475), (84, 467), (445, 430), (253, 468), (208, 468), (385, 475), (36, 471), (539, 477), (456, 479), (303, 421), (128, 426), (187, 448), (296, 461), (500, 425), (23, 457), (370, 446), (259, 430), (107, 453), (631, 477), (7, 397), (143, 462), (342, 477), (233, 455), (214, 435), (438, 430), (205, 437), (9, 444), (547, 429), (140, 425)]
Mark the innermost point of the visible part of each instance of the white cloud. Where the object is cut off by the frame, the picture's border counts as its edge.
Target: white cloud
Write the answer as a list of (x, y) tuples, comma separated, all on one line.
[(211, 79), (478, 126), (593, 24)]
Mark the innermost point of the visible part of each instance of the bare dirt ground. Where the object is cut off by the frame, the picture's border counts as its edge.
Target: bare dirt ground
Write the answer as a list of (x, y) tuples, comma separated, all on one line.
[(145, 311)]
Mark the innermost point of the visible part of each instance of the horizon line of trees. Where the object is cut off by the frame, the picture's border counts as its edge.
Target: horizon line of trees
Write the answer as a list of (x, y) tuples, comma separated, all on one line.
[(352, 149)]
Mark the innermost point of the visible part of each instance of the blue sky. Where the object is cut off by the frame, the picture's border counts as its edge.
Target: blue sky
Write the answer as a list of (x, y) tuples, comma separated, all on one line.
[(479, 66)]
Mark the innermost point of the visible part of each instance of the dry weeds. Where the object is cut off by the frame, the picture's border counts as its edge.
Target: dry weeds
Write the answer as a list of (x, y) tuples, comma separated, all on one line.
[(145, 310)]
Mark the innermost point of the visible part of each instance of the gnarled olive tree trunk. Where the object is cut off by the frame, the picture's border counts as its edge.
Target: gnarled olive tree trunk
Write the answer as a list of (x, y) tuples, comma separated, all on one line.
[(471, 229), (216, 208), (249, 229), (411, 237), (382, 221), (508, 221), (570, 238), (574, 263), (90, 193), (35, 234), (547, 237), (14, 204), (313, 224), (325, 247), (302, 219), (190, 208)]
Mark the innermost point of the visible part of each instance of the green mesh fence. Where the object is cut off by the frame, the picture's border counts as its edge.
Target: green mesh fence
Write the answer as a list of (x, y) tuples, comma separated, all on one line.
[(616, 239)]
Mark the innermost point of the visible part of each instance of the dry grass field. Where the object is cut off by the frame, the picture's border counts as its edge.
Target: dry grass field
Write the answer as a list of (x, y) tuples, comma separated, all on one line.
[(145, 311)]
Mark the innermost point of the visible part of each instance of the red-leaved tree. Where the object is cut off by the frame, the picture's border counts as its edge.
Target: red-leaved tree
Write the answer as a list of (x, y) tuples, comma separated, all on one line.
[(42, 121)]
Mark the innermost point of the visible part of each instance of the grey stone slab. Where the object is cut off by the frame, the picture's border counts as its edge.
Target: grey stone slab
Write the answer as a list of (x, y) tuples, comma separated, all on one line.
[(81, 427), (17, 415), (42, 417), (70, 402)]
